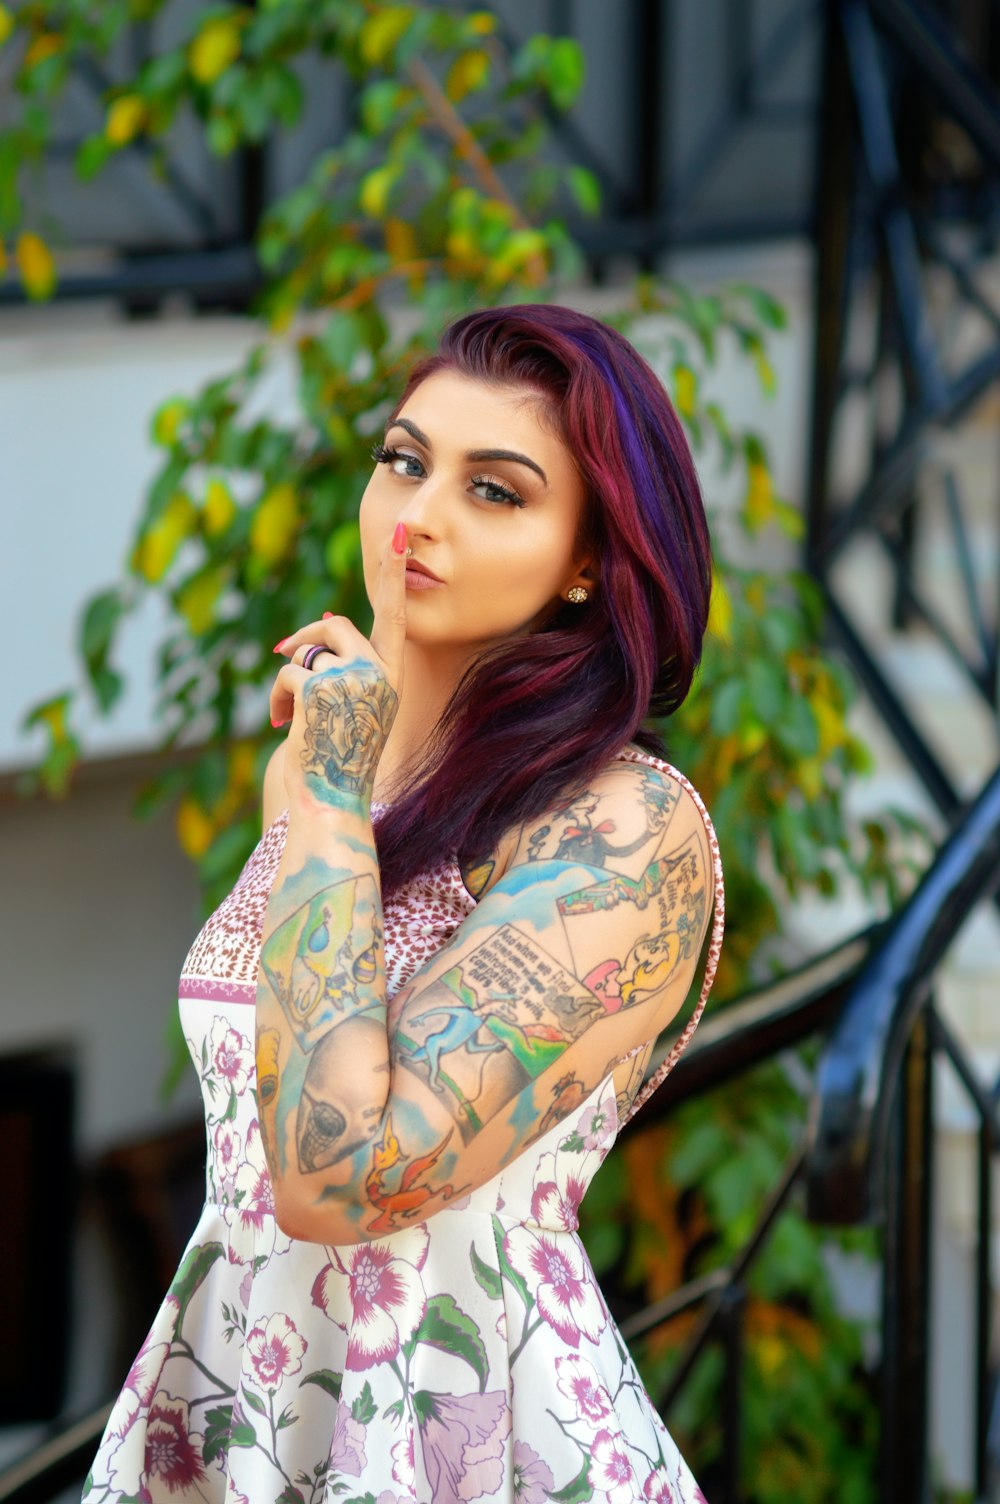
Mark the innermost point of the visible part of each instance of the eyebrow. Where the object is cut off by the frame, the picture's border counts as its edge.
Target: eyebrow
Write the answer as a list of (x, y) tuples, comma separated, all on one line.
[(478, 455)]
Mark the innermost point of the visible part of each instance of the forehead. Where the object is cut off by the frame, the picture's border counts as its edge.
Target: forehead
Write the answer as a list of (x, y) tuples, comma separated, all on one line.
[(453, 409)]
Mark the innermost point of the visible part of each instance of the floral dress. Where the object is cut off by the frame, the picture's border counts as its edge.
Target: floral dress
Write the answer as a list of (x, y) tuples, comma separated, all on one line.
[(468, 1358)]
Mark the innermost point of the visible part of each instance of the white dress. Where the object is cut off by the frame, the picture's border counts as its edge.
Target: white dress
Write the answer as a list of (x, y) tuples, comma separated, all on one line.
[(467, 1358)]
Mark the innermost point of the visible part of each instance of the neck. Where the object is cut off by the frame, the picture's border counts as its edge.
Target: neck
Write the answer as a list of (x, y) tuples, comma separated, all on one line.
[(430, 678)]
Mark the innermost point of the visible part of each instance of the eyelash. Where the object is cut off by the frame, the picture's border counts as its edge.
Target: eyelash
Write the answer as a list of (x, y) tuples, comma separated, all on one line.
[(384, 454)]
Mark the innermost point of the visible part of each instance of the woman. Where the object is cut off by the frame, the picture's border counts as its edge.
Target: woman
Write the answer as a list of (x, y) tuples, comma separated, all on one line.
[(476, 904)]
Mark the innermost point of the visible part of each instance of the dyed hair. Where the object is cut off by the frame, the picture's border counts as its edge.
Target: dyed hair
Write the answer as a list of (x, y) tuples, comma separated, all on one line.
[(536, 717)]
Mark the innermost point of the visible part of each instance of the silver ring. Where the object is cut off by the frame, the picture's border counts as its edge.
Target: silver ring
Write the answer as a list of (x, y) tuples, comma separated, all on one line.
[(312, 653)]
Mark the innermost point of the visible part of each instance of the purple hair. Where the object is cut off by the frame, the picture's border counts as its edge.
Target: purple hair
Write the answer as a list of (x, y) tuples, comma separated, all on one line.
[(533, 719)]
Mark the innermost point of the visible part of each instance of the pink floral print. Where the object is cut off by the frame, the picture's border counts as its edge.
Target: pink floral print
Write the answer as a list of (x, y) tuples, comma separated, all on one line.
[(275, 1349), (466, 1360), (387, 1299)]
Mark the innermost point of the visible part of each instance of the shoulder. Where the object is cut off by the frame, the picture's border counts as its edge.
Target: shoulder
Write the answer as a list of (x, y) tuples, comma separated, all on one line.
[(626, 815), (275, 799)]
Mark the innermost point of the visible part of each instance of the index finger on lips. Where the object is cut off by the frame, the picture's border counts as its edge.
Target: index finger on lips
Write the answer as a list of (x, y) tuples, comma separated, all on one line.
[(389, 628)]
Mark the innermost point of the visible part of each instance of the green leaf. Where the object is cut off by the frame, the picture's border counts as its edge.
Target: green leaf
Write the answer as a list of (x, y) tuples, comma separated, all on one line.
[(341, 339), (578, 1490), (448, 1328), (290, 1495), (191, 1276), (565, 72), (243, 1435), (796, 729), (91, 156), (286, 1418), (364, 1408), (254, 1401), (216, 1440), (325, 1379), (379, 103), (487, 1278), (585, 189), (508, 1272)]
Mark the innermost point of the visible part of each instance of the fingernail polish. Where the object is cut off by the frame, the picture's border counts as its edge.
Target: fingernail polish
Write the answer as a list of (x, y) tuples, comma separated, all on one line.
[(327, 615), (399, 539), (276, 724), (278, 647)]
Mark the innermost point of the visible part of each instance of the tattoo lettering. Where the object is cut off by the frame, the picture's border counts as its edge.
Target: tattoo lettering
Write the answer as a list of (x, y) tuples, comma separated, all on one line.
[(322, 961), (410, 1192), (493, 1023), (349, 712)]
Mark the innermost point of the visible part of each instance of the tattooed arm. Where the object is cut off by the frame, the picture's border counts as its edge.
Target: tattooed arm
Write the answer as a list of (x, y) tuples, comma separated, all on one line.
[(378, 1116)]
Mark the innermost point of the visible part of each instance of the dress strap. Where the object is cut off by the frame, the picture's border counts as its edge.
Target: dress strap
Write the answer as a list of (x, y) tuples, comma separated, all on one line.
[(663, 1070)]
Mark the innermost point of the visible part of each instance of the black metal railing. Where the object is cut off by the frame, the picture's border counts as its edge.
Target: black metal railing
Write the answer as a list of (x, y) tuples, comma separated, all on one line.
[(908, 213)]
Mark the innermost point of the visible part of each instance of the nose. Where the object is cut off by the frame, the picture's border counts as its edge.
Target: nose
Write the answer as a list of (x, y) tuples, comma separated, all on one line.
[(424, 510)]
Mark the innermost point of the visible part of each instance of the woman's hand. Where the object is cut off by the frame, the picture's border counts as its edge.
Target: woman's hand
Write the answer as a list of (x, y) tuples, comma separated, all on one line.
[(342, 708)]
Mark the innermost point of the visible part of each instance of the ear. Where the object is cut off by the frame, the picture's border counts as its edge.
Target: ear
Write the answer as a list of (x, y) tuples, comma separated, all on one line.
[(587, 577)]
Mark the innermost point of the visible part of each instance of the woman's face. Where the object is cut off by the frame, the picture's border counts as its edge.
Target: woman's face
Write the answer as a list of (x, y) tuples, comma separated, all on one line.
[(492, 503)]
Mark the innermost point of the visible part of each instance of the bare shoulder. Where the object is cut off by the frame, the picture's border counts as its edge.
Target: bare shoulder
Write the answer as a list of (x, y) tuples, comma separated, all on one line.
[(274, 798), (627, 815)]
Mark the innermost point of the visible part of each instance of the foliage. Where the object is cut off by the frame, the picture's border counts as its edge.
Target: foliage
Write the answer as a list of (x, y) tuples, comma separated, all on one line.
[(444, 194)]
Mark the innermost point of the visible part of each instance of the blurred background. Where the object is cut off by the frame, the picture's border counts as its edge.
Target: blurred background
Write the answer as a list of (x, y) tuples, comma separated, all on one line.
[(226, 232)]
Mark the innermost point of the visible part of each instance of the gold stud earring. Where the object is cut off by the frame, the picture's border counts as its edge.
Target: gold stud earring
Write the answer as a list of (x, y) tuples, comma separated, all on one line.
[(577, 594)]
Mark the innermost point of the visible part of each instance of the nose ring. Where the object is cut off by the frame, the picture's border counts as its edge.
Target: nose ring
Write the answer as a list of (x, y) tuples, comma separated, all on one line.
[(409, 553)]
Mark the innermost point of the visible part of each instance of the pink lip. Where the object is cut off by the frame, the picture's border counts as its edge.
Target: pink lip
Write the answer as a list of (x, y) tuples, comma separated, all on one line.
[(419, 577)]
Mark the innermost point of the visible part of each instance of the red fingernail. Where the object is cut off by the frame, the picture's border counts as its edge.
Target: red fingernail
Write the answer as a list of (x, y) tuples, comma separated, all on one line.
[(276, 724), (327, 615), (279, 646), (399, 539)]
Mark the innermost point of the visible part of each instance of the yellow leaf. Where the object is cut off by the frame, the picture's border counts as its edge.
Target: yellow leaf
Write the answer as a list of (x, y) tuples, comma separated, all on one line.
[(765, 372), (338, 431), (216, 46), (468, 72), (158, 545), (195, 829), (125, 118), (243, 765), (219, 508), (810, 776), (168, 419), (720, 610), (54, 717), (832, 731), (759, 508), (685, 390), (37, 268), (6, 24), (753, 736), (44, 46), (481, 23), (400, 240), (197, 599), (274, 525), (376, 186), (382, 31)]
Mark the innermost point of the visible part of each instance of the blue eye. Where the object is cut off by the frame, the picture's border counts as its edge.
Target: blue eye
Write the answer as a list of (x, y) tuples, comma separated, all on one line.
[(399, 462), (496, 491)]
